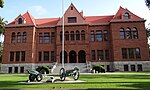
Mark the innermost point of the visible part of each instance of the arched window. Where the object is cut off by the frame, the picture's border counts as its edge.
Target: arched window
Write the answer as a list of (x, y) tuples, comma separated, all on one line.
[(82, 35), (20, 21), (24, 38), (122, 33), (126, 16), (61, 36), (18, 37), (72, 35), (135, 33), (13, 37), (66, 35), (77, 35), (128, 33)]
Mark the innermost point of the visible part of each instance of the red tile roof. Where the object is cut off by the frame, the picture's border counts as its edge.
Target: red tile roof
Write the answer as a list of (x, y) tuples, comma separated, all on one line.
[(46, 21)]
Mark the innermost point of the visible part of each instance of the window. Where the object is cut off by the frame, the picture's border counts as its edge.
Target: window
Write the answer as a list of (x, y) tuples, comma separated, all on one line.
[(107, 54), (23, 56), (126, 68), (122, 33), (18, 37), (99, 35), (71, 8), (72, 35), (21, 69), (13, 37), (40, 56), (52, 56), (82, 35), (77, 35), (61, 36), (24, 37), (16, 70), (40, 38), (66, 35), (93, 55), (126, 16), (100, 55), (46, 56), (133, 68), (20, 21), (72, 19), (92, 35), (105, 35), (46, 38), (137, 53), (139, 67), (9, 69), (53, 37), (124, 53), (11, 56), (131, 53), (17, 56), (128, 33), (135, 33)]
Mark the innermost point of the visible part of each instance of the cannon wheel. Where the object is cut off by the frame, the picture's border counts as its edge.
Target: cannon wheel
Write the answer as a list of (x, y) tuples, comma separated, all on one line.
[(32, 77), (62, 74), (39, 77), (76, 75)]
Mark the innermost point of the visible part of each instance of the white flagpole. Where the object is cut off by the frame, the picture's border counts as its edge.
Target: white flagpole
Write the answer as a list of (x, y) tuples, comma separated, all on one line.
[(63, 33)]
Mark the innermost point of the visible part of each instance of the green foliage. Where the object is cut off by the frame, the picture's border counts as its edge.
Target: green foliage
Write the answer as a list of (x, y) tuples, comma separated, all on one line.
[(1, 3), (148, 32), (147, 2), (98, 68), (43, 69)]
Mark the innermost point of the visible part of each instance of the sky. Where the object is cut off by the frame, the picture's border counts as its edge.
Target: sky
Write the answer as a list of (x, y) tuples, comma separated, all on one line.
[(53, 8)]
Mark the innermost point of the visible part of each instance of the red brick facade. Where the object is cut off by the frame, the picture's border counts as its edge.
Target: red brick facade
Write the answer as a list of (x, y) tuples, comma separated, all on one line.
[(106, 46)]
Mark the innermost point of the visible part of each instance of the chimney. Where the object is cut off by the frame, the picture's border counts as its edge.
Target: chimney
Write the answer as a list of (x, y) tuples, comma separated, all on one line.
[(81, 13)]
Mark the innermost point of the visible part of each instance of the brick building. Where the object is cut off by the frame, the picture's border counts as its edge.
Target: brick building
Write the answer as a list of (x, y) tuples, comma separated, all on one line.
[(117, 42)]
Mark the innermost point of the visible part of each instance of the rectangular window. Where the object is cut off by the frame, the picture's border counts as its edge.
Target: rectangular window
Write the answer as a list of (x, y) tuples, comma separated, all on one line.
[(40, 38), (53, 37), (137, 53), (16, 70), (21, 69), (46, 56), (40, 56), (107, 54), (92, 35), (72, 19), (133, 68), (126, 68), (100, 55), (11, 56), (46, 38), (105, 35), (9, 69), (52, 56), (139, 67), (23, 55), (98, 35), (17, 56), (131, 53), (93, 55), (124, 53)]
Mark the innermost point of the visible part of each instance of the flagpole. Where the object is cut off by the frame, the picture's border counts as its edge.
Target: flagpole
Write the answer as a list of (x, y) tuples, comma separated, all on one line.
[(63, 33)]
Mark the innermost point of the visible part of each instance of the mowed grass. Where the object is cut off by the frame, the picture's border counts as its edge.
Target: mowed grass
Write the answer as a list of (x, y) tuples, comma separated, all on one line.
[(131, 80)]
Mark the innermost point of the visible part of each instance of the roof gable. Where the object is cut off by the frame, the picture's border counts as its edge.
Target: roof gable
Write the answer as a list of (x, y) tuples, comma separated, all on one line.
[(72, 12)]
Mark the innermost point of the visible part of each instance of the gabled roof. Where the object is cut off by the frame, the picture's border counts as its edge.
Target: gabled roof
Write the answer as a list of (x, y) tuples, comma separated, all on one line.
[(46, 21)]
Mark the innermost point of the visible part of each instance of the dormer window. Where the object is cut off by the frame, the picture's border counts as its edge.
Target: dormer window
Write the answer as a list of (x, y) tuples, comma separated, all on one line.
[(72, 19), (20, 21), (126, 16), (71, 8)]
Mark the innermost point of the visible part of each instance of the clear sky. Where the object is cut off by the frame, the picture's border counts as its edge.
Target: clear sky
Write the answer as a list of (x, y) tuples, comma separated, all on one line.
[(52, 8)]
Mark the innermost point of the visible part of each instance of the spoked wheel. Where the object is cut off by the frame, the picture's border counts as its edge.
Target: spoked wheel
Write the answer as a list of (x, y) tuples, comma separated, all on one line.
[(76, 75), (32, 77), (39, 77), (62, 74)]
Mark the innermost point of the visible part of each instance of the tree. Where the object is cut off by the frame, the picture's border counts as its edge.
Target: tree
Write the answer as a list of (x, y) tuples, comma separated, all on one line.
[(1, 3), (147, 3), (2, 25), (148, 32)]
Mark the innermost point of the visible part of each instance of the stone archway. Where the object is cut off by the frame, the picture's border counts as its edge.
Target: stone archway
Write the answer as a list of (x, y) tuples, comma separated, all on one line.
[(65, 57), (82, 56), (72, 57)]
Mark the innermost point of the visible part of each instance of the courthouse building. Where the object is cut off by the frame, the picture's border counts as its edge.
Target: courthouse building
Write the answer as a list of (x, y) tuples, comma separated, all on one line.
[(118, 42)]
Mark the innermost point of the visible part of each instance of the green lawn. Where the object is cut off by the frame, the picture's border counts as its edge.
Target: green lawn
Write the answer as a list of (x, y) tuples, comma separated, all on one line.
[(112, 80)]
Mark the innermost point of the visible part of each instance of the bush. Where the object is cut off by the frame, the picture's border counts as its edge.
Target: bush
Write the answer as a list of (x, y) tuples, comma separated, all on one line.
[(99, 68), (43, 69)]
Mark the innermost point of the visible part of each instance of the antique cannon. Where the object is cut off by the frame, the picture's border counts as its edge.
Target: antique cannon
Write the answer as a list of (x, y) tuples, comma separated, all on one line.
[(73, 72), (34, 75)]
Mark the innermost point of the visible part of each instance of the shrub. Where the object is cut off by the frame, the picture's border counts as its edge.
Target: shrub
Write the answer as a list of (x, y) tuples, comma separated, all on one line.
[(43, 69), (98, 68)]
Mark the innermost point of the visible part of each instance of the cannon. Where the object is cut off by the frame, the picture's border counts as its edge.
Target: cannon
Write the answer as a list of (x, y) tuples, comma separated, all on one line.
[(65, 73), (34, 75)]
